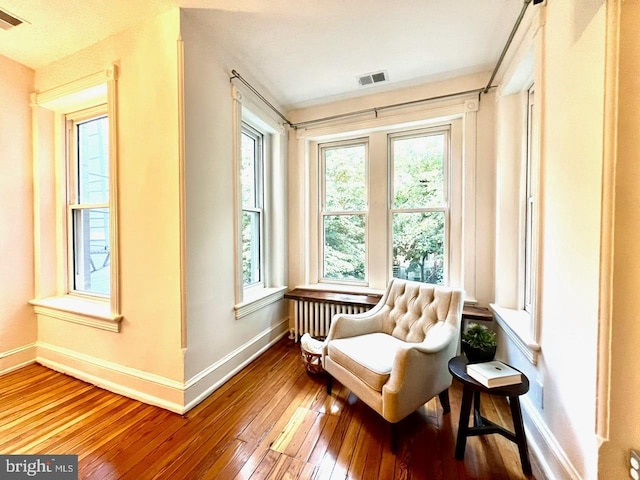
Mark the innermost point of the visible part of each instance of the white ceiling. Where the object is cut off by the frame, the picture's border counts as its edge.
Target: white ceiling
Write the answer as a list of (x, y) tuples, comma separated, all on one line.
[(303, 50)]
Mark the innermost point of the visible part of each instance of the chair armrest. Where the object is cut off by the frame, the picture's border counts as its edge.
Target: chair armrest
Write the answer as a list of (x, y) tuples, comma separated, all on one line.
[(440, 336), (345, 325), (418, 362)]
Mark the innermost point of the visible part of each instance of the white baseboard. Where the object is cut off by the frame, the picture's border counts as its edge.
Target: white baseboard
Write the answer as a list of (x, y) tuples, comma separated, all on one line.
[(17, 357), (203, 384), (139, 385), (155, 389), (550, 459)]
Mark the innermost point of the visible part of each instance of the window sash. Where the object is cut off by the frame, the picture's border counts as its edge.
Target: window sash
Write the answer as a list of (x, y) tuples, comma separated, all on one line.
[(529, 207), (328, 256), (351, 265), (251, 247), (443, 207), (255, 190), (327, 205), (88, 243), (252, 233), (91, 250), (401, 136)]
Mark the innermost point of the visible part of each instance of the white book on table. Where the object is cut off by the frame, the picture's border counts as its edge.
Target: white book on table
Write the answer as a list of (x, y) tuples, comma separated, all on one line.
[(494, 374)]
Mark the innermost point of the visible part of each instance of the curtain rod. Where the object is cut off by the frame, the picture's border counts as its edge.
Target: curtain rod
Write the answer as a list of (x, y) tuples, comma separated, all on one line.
[(508, 44), (386, 107), (354, 113), (250, 87)]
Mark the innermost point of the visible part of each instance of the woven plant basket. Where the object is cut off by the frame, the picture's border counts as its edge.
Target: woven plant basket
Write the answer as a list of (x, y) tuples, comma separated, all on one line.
[(312, 360)]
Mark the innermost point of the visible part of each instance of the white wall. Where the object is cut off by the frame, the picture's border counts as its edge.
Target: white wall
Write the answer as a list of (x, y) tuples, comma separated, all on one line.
[(561, 408), (18, 328), (217, 343)]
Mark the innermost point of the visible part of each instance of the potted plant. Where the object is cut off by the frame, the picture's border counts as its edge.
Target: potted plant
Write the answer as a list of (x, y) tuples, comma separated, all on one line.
[(478, 343)]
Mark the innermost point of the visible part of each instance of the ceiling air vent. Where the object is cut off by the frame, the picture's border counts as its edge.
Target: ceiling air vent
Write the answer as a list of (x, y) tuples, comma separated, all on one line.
[(8, 21), (372, 78)]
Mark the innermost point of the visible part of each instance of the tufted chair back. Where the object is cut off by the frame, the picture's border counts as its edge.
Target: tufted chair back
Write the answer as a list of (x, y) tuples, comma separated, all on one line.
[(411, 309)]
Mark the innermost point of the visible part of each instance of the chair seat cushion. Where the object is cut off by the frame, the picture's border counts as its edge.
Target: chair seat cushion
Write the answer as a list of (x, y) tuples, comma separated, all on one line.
[(369, 357)]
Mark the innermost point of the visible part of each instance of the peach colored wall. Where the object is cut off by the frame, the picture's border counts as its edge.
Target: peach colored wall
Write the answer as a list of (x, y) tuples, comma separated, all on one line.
[(624, 426), (149, 203), (571, 183), (17, 321)]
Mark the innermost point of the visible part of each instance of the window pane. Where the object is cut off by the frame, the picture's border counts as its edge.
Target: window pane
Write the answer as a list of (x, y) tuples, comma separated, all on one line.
[(344, 247), (418, 246), (250, 247), (418, 171), (345, 178), (91, 250), (249, 171), (93, 161)]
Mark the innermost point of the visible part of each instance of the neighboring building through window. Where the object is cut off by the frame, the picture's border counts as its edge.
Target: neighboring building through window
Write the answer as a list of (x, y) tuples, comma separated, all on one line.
[(88, 202)]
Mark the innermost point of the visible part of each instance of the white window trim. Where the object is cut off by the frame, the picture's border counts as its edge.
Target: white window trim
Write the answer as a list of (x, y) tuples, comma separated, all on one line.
[(103, 313), (520, 325), (516, 323), (252, 298), (530, 207), (461, 113), (76, 309)]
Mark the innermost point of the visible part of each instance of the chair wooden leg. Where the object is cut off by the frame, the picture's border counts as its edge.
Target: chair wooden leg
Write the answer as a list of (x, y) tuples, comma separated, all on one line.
[(329, 384), (444, 400)]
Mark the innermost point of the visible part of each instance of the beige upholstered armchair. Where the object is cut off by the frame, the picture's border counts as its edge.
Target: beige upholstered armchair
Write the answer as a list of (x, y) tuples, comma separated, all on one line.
[(394, 357)]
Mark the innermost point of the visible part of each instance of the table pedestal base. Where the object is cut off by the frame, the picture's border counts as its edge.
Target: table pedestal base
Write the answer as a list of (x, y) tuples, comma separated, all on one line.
[(482, 426)]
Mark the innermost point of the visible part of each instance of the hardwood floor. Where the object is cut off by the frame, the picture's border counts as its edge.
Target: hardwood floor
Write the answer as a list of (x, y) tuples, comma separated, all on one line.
[(271, 421)]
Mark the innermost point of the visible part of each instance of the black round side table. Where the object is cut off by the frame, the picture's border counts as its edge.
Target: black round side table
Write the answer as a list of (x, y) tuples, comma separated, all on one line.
[(481, 426)]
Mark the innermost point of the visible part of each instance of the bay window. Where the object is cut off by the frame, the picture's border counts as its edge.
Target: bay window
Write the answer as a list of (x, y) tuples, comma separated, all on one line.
[(400, 221)]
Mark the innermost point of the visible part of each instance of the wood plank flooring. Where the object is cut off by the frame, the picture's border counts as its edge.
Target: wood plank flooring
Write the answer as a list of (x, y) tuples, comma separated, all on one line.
[(271, 421)]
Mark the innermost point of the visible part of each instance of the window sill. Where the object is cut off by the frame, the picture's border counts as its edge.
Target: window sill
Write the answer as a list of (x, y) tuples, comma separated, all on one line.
[(516, 324), (258, 299), (338, 287), (83, 311)]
